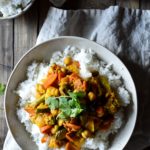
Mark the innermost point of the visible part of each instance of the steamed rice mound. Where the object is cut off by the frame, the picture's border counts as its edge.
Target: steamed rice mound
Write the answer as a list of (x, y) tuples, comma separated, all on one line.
[(12, 7), (89, 62)]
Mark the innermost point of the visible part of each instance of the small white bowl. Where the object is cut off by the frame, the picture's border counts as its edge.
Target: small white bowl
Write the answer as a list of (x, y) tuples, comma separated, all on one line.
[(44, 52), (17, 15)]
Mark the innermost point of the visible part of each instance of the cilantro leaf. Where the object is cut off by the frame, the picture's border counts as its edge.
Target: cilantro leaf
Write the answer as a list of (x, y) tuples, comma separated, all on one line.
[(76, 95), (2, 88), (63, 102), (61, 116), (75, 112), (52, 102), (80, 94), (66, 112), (74, 103), (69, 106)]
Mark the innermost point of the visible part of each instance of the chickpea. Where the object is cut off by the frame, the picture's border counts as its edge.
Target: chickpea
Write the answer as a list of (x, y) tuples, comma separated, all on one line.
[(53, 143), (54, 129), (39, 121), (63, 70), (56, 92), (54, 112), (33, 119), (60, 122), (51, 91), (75, 91), (112, 109), (85, 134), (91, 96), (46, 119), (68, 60), (40, 88), (37, 95)]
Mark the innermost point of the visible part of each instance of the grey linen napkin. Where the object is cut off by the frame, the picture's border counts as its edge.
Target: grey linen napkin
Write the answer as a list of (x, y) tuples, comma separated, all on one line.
[(125, 32)]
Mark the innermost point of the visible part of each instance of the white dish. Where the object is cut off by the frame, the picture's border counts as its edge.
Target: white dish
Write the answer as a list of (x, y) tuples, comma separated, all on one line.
[(20, 13), (44, 52)]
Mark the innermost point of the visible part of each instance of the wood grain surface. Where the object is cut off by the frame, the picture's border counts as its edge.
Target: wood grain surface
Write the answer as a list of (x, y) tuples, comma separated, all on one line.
[(128, 3), (25, 32), (19, 35), (145, 4), (6, 66)]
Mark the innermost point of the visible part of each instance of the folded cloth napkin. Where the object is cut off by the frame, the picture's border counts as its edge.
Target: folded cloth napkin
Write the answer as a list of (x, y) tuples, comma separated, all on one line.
[(125, 32)]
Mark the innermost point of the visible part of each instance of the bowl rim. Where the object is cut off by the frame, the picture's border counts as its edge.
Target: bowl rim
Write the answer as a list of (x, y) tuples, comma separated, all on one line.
[(19, 14), (77, 38)]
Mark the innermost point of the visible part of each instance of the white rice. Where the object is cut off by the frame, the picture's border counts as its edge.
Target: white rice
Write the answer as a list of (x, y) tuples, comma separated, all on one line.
[(12, 7), (88, 62)]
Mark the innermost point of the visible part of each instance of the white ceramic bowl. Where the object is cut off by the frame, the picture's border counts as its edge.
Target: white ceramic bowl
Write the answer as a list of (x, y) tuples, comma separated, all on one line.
[(44, 52), (17, 15)]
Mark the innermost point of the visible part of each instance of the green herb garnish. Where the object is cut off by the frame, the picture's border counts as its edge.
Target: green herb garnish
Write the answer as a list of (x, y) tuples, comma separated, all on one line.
[(2, 88), (53, 103), (69, 106)]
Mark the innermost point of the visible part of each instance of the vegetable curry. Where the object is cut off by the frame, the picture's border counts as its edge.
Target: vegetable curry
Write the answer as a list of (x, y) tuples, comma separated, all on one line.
[(69, 109)]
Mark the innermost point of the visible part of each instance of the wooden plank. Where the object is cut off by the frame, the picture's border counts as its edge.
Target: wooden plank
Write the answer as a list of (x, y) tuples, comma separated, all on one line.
[(6, 43), (6, 65), (128, 3), (25, 32), (145, 4), (82, 4), (3, 126)]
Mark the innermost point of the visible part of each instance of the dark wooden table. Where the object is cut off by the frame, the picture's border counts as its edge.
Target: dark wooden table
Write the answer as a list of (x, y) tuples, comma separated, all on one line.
[(19, 35)]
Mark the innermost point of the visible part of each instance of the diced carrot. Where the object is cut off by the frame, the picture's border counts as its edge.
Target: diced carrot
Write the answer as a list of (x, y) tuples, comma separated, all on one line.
[(69, 138), (77, 84), (80, 85), (44, 138), (50, 80), (45, 129), (53, 143), (30, 110), (90, 125), (73, 77), (84, 85), (73, 127), (70, 146), (60, 76)]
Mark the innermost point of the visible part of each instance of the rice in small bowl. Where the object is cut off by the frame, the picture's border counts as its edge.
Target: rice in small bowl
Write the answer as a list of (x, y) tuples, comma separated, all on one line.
[(13, 8), (90, 59)]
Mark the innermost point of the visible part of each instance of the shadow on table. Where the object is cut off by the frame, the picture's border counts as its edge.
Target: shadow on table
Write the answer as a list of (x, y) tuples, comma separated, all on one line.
[(141, 75)]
